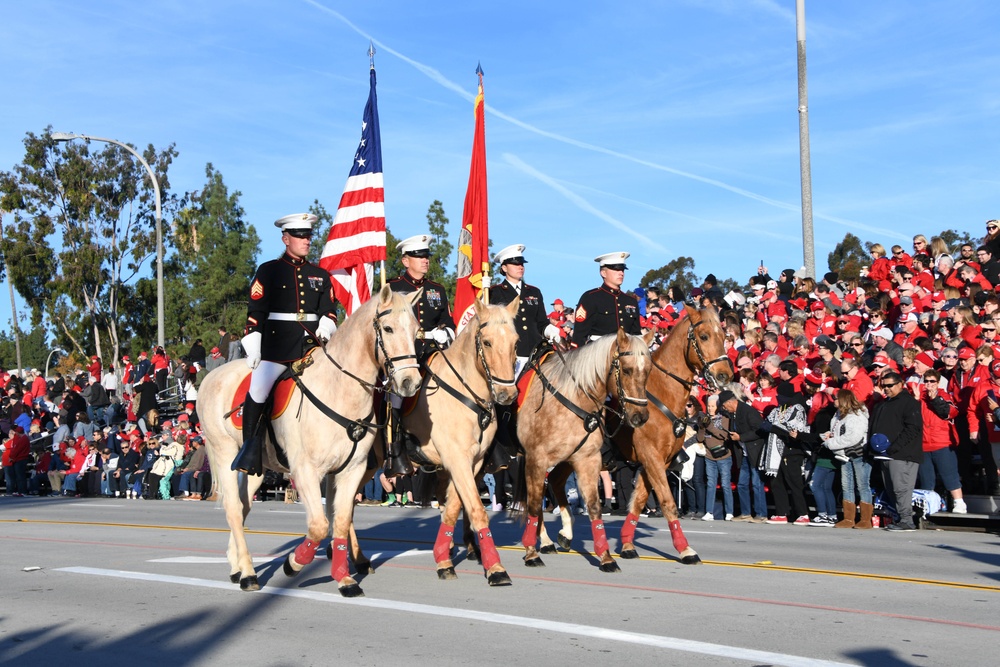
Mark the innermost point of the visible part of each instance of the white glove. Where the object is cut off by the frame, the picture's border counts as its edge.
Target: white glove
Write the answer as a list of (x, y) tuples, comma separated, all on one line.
[(441, 336), (251, 344), (552, 333), (326, 328)]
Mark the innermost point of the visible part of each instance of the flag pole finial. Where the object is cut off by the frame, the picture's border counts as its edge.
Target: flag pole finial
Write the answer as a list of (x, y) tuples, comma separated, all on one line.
[(371, 53), (479, 69)]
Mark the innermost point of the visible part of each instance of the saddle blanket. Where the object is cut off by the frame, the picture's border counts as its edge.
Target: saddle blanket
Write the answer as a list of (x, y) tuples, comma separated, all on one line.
[(282, 394)]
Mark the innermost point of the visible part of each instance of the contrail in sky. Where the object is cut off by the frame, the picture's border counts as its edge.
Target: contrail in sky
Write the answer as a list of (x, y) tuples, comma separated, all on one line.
[(579, 201), (442, 80)]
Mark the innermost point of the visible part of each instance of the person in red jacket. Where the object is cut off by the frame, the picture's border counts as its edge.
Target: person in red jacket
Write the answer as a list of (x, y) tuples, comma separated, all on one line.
[(881, 267), (16, 452), (857, 381), (95, 368), (984, 430), (940, 438)]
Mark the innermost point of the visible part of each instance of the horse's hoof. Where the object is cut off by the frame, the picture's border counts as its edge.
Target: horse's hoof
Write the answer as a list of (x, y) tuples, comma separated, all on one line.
[(534, 562), (446, 573), (352, 591), (629, 553), (472, 555), (500, 578), (548, 549), (288, 569), (563, 541), (364, 567), (610, 567), (329, 552), (691, 560), (249, 583), (234, 578)]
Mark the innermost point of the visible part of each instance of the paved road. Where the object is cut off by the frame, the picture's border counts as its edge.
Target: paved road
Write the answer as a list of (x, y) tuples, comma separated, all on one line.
[(145, 582)]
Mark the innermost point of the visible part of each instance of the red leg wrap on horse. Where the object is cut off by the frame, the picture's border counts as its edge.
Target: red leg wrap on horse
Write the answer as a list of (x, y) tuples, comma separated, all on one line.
[(680, 542), (442, 545), (305, 552), (628, 529), (488, 550), (530, 532), (600, 537), (339, 567)]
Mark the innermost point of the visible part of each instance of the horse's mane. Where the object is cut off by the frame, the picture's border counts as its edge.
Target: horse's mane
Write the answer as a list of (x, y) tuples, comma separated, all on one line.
[(584, 367)]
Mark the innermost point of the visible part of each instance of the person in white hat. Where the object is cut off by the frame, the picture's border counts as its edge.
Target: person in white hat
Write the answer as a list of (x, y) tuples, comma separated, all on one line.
[(433, 310), (292, 309), (437, 329), (532, 322), (603, 310)]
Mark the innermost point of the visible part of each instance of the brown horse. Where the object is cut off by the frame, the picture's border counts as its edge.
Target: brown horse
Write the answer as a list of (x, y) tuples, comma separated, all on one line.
[(454, 421), (330, 428), (696, 345), (562, 419)]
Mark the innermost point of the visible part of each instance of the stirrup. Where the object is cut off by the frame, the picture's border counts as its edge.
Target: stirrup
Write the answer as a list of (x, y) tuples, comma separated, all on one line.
[(398, 462), (499, 457)]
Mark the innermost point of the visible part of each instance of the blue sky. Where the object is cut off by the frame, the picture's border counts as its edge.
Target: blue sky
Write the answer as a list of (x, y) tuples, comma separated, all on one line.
[(659, 128)]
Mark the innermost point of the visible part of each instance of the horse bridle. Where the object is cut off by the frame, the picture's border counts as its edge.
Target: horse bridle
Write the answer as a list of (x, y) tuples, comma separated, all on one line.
[(484, 408), (692, 341), (388, 365)]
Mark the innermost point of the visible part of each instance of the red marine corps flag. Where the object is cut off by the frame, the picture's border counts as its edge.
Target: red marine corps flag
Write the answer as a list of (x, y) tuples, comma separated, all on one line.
[(357, 236), (473, 240)]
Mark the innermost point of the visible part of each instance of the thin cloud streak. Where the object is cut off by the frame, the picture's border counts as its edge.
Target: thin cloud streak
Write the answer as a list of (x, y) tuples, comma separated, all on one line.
[(440, 79), (578, 201)]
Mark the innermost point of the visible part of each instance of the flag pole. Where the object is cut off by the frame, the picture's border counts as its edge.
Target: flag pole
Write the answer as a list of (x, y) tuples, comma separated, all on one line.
[(485, 292), (371, 63)]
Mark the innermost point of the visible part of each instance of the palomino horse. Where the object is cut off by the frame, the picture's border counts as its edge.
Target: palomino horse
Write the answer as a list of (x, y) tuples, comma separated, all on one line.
[(454, 421), (328, 427), (696, 345), (562, 419)]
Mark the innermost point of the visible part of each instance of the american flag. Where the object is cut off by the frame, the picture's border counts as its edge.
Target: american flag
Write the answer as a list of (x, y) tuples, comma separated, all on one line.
[(357, 236)]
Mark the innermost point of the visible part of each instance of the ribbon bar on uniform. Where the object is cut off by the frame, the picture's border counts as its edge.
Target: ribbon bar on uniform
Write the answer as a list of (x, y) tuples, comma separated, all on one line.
[(293, 317)]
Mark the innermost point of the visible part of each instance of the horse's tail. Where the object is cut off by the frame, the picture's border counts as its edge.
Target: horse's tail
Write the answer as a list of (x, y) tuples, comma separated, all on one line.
[(517, 509)]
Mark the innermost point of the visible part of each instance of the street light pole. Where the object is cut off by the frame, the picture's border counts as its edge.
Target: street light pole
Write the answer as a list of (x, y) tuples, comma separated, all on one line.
[(49, 358), (65, 136)]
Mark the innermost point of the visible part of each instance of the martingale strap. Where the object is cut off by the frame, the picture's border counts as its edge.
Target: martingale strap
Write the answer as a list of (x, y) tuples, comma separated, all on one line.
[(678, 425), (591, 420), (485, 415)]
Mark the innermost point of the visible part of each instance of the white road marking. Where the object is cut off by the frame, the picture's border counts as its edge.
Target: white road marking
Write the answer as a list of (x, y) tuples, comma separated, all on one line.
[(535, 624), (211, 560)]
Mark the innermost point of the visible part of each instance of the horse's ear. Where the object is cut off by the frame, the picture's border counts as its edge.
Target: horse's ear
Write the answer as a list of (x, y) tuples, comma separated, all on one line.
[(480, 308), (691, 307), (415, 296), (622, 339), (514, 305), (648, 337), (385, 296)]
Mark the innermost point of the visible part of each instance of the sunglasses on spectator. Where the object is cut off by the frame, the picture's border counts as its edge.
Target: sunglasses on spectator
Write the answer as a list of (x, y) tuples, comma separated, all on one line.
[(991, 228), (888, 385), (897, 254), (857, 344), (989, 329)]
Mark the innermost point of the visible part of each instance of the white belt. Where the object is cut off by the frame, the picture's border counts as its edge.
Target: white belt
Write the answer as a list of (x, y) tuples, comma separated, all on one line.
[(293, 317)]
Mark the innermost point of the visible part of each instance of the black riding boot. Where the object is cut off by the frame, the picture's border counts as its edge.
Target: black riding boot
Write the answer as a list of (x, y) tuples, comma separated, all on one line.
[(250, 457), (399, 462), (503, 449)]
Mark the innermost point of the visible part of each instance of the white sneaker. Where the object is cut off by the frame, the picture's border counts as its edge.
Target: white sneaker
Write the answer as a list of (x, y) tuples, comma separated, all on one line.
[(958, 507), (708, 517), (729, 517)]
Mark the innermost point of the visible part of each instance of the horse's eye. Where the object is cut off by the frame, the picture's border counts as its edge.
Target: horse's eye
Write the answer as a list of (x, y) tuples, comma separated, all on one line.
[(704, 336), (388, 330), (487, 343), (627, 371)]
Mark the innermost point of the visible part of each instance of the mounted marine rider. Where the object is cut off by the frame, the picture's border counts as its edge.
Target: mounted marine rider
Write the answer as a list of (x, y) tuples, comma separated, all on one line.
[(602, 311), (292, 309), (532, 324), (437, 326)]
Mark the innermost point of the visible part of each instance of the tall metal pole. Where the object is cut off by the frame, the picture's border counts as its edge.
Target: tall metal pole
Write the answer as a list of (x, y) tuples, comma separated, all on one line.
[(13, 306), (808, 251), (64, 136)]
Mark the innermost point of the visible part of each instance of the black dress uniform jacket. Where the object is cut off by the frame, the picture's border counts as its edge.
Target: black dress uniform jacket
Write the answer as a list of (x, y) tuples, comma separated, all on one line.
[(602, 310), (290, 286), (531, 318), (432, 310)]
